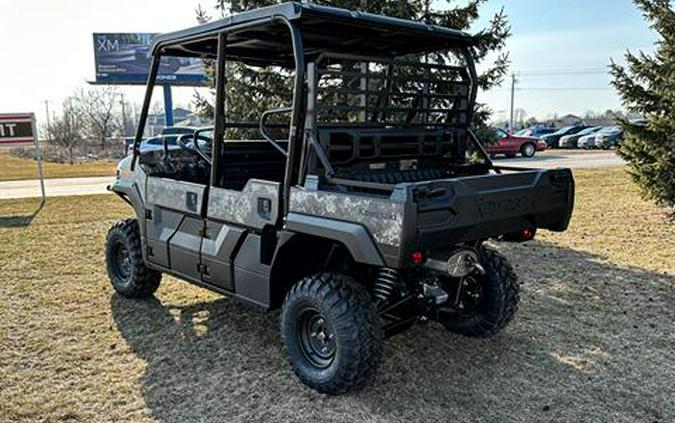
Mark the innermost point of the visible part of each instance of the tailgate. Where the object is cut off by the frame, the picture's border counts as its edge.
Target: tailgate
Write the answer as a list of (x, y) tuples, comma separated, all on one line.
[(479, 207)]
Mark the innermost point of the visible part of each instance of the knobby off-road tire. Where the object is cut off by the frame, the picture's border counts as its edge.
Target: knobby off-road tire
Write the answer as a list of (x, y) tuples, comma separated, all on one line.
[(124, 261), (331, 333), (500, 296)]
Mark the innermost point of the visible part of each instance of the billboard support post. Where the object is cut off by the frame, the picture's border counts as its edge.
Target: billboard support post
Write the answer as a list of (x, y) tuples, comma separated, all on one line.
[(168, 106)]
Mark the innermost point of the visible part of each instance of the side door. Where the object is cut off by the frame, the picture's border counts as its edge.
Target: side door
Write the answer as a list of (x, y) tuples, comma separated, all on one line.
[(233, 243), (175, 225), (502, 143)]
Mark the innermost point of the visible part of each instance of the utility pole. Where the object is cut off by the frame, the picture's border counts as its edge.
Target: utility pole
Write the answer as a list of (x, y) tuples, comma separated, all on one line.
[(49, 126), (124, 116), (513, 95)]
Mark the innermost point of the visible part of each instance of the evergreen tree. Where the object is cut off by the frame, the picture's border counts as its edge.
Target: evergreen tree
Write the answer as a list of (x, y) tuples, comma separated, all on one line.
[(273, 88), (647, 86)]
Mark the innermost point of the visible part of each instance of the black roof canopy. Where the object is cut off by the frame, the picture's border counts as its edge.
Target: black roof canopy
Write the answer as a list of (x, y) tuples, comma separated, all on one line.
[(262, 36)]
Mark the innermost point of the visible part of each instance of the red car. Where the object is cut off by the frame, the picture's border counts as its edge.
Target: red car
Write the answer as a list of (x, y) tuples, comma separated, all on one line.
[(511, 145)]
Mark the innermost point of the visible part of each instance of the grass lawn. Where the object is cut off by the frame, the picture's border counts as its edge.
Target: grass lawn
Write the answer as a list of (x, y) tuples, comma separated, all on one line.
[(15, 169), (594, 339)]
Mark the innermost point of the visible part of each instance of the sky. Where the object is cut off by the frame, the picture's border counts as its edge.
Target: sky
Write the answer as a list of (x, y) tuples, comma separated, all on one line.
[(559, 49)]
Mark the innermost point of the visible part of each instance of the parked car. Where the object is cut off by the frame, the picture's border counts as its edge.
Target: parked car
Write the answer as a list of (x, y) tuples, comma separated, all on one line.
[(171, 134), (536, 131), (587, 142), (511, 145), (572, 141), (609, 137), (553, 139)]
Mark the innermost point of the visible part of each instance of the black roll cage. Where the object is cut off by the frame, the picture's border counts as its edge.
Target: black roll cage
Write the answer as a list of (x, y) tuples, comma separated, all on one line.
[(298, 145)]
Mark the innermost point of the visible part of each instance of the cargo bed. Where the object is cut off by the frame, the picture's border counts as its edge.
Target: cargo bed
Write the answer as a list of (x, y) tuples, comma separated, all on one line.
[(451, 211)]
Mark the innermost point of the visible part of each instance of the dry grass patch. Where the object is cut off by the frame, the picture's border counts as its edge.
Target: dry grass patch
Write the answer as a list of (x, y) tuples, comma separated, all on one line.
[(15, 168), (611, 220), (593, 340)]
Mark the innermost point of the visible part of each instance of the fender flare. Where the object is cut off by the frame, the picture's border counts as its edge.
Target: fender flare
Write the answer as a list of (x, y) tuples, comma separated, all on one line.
[(133, 197), (354, 236)]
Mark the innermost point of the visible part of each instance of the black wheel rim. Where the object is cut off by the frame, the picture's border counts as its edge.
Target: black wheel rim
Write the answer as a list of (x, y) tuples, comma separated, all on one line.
[(317, 338), (120, 261), (471, 296)]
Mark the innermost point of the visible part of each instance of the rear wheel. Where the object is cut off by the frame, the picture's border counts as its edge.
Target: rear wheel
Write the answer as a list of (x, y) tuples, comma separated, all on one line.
[(125, 264), (488, 302), (528, 150), (331, 333)]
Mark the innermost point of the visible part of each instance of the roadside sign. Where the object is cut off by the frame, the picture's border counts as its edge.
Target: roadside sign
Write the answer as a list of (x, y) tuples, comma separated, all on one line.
[(17, 130)]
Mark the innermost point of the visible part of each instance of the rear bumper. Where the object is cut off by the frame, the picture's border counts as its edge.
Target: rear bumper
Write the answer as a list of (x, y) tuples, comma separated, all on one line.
[(480, 207)]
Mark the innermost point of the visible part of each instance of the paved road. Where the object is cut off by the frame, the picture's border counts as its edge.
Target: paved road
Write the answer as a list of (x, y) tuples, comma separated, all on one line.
[(84, 186), (575, 159), (55, 187)]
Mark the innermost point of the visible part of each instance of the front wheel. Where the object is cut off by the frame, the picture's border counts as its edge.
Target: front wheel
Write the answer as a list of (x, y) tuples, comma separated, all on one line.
[(488, 302), (124, 260), (528, 150), (331, 333)]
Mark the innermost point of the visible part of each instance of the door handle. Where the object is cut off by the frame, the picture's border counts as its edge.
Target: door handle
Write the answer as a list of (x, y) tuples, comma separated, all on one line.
[(264, 208), (191, 200)]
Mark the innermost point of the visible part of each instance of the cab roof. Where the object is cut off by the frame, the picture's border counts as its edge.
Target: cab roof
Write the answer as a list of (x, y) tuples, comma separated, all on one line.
[(262, 35)]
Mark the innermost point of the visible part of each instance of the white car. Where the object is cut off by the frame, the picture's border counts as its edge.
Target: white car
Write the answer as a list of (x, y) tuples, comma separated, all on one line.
[(604, 138), (588, 141)]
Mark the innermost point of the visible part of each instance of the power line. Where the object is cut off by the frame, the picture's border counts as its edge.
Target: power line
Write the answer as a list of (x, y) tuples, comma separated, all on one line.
[(563, 72), (554, 89), (565, 89)]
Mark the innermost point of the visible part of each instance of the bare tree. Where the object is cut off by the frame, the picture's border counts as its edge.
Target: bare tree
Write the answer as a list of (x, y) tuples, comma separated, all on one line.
[(100, 110), (67, 131)]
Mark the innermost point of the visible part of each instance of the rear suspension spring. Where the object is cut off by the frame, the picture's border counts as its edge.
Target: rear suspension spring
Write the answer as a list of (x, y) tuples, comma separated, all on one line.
[(385, 284)]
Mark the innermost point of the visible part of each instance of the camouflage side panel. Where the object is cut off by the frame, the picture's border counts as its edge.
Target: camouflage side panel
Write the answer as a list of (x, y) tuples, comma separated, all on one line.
[(175, 195), (126, 178), (256, 205), (383, 218)]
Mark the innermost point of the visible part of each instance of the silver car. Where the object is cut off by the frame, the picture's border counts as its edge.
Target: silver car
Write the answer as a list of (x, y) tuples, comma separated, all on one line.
[(571, 141), (609, 137)]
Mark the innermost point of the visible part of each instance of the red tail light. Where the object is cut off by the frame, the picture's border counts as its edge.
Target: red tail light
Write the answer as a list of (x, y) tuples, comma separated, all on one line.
[(417, 258)]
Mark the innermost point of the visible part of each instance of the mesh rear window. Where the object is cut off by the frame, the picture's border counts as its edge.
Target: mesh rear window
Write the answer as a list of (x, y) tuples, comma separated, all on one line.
[(390, 92)]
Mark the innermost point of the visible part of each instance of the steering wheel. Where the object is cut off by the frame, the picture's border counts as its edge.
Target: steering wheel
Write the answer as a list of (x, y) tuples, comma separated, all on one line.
[(190, 142)]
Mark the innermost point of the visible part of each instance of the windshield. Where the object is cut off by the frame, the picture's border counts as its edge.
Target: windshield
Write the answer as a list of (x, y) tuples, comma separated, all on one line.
[(524, 132), (589, 131), (610, 129), (563, 130)]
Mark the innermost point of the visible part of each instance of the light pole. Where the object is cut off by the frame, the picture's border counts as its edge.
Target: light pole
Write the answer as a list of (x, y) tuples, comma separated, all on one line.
[(513, 95)]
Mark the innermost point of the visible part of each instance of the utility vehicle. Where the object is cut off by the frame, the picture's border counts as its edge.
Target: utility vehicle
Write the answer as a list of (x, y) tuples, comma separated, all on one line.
[(360, 207)]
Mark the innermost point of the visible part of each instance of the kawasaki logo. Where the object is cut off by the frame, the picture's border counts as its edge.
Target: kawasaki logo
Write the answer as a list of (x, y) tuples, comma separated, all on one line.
[(374, 214), (490, 209)]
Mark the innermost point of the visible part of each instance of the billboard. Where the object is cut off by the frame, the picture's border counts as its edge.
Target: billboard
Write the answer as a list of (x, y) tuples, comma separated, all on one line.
[(17, 130), (124, 59)]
